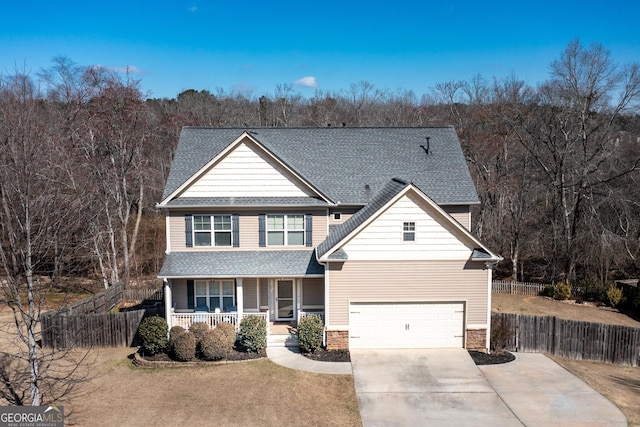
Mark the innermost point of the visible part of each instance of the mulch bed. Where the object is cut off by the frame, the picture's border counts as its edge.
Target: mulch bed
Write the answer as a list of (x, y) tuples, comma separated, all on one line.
[(323, 355), (494, 358), (235, 356)]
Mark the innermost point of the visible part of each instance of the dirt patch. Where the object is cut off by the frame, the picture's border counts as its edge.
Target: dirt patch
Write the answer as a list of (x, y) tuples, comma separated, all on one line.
[(544, 306), (495, 358), (619, 384), (323, 355)]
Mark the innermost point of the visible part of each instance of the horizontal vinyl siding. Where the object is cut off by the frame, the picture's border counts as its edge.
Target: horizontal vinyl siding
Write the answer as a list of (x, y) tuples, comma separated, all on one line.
[(407, 281), (313, 291), (264, 293), (435, 236), (248, 223), (179, 293), (246, 172), (250, 294), (462, 214)]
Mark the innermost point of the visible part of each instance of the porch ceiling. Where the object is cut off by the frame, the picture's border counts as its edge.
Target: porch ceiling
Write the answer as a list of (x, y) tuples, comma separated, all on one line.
[(241, 264)]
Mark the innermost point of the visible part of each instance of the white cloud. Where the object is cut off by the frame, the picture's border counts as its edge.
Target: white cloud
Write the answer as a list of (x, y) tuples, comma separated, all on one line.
[(309, 81), (131, 69), (192, 8)]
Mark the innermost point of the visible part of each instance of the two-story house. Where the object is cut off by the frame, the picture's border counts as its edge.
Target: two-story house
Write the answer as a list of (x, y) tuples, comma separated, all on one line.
[(368, 227)]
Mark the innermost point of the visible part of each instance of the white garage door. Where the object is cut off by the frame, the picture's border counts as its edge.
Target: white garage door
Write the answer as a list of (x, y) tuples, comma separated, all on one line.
[(406, 325)]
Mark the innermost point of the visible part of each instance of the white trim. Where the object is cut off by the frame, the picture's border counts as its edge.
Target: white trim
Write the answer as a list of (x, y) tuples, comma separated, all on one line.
[(337, 327), (240, 297), (167, 232), (489, 266), (245, 135), (476, 327), (285, 230)]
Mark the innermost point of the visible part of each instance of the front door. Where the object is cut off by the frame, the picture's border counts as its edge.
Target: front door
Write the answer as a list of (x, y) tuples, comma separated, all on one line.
[(284, 300)]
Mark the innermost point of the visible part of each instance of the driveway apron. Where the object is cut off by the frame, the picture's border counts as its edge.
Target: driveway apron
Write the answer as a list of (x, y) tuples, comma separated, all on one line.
[(434, 387), (542, 393)]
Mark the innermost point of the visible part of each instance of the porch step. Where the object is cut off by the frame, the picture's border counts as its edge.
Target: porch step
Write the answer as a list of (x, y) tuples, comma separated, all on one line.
[(282, 340)]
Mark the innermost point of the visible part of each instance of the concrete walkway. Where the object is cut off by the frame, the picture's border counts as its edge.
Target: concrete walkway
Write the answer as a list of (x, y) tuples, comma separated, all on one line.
[(290, 357), (542, 393)]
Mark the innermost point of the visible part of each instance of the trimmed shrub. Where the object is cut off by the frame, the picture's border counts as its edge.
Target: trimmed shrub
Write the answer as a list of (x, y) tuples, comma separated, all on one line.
[(501, 334), (215, 344), (614, 295), (153, 335), (229, 331), (563, 290), (310, 330), (199, 329), (184, 346), (253, 331), (173, 333)]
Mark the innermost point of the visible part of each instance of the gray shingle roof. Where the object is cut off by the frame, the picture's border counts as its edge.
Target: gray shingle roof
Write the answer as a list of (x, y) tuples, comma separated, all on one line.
[(389, 191), (241, 263), (348, 165)]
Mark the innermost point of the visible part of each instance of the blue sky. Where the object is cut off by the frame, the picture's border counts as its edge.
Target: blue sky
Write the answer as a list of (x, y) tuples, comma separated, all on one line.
[(252, 46)]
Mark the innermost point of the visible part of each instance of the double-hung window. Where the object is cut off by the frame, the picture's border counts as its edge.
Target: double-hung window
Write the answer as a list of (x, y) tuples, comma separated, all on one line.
[(285, 230), (212, 230), (409, 232), (215, 294)]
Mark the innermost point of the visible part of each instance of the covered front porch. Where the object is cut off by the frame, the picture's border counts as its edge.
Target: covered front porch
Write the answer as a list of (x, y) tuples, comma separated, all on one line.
[(215, 300)]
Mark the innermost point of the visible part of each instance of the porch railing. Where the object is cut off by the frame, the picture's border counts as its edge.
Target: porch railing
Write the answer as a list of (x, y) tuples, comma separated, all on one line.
[(302, 314), (185, 320)]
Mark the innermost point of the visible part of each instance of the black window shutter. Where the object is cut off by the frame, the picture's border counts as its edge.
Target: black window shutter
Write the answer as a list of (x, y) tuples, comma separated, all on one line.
[(262, 230), (235, 230), (190, 294), (308, 229), (188, 230)]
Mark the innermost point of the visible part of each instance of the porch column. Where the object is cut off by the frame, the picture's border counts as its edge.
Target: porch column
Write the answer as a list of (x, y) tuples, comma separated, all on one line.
[(239, 299), (167, 302)]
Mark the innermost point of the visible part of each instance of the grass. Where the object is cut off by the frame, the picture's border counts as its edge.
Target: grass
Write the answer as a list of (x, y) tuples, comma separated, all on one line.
[(619, 384), (236, 394)]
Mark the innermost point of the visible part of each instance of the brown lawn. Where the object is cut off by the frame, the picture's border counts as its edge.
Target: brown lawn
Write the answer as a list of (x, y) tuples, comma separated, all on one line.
[(620, 384), (543, 306), (236, 394)]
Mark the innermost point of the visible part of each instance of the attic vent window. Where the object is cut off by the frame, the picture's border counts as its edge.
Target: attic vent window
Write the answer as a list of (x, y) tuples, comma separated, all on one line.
[(409, 232), (337, 216)]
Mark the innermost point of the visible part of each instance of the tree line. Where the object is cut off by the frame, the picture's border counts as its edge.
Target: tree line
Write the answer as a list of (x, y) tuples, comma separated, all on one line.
[(85, 156)]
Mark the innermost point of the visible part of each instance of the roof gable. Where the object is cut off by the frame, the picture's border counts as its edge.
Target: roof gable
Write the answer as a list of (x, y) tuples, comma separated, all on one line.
[(243, 169), (366, 232), (345, 165)]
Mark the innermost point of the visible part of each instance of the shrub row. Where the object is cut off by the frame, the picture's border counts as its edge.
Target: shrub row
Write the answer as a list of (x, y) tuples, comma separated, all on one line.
[(200, 341)]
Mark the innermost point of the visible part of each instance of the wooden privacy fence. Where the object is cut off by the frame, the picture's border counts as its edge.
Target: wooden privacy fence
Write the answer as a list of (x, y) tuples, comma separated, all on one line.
[(573, 339), (90, 323), (522, 288)]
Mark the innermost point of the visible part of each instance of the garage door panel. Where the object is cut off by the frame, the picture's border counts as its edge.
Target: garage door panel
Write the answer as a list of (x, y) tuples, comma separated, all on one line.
[(406, 325)]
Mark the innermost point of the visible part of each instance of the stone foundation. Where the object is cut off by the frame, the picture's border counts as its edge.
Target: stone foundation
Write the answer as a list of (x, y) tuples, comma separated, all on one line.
[(337, 340), (476, 339)]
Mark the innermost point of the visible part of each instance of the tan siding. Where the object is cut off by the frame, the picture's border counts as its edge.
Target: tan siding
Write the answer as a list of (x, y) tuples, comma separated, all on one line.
[(264, 293), (246, 172), (248, 223), (313, 291), (179, 293), (461, 213), (408, 281), (435, 236), (345, 214), (250, 294)]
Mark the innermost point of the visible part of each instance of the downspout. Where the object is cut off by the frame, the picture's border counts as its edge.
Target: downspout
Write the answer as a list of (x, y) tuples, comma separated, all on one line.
[(489, 266)]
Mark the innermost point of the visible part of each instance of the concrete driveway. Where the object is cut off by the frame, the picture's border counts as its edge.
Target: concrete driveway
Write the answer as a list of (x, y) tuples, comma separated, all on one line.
[(440, 387), (443, 387)]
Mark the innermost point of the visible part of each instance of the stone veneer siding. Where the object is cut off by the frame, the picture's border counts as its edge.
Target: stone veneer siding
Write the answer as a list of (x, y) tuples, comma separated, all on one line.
[(476, 339), (337, 340)]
